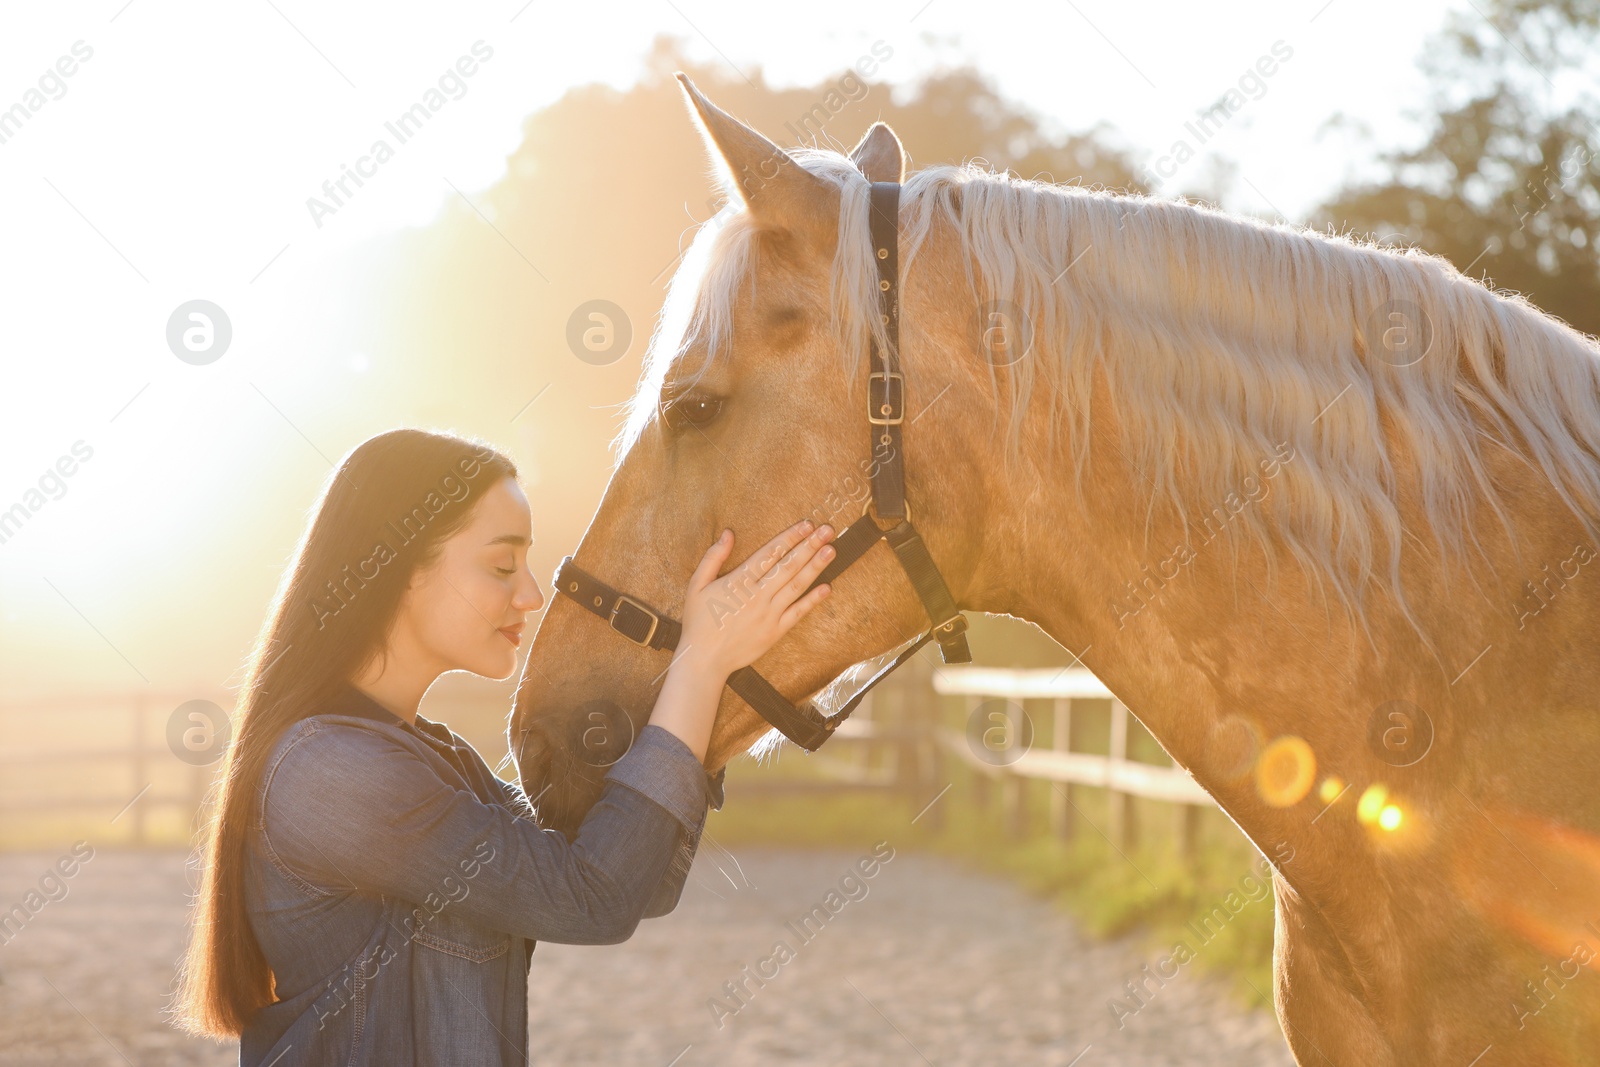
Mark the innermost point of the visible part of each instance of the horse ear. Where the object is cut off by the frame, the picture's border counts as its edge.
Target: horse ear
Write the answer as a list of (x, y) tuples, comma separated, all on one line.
[(773, 187), (880, 156)]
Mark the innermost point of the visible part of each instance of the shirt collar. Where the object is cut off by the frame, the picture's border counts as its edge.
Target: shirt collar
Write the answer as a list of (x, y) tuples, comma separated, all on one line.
[(352, 701)]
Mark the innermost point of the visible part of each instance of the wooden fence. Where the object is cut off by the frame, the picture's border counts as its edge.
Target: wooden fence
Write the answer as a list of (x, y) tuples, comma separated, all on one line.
[(98, 768), (114, 773), (900, 739), (1124, 779)]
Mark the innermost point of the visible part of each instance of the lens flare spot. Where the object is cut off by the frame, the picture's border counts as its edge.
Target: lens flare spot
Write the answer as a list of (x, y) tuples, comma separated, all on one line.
[(1370, 806), (1389, 817), (1285, 771), (1330, 789)]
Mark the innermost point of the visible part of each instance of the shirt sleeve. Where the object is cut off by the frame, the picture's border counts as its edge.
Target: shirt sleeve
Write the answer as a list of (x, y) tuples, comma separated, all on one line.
[(659, 775), (351, 808), (667, 894)]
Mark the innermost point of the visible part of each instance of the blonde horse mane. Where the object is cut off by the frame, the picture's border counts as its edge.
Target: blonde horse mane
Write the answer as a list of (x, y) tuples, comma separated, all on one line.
[(1220, 337)]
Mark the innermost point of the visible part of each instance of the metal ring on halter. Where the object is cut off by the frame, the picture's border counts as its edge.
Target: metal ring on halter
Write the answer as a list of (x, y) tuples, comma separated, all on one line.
[(868, 507)]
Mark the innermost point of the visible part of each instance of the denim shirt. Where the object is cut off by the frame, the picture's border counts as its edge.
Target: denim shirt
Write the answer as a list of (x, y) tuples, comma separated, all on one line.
[(397, 886)]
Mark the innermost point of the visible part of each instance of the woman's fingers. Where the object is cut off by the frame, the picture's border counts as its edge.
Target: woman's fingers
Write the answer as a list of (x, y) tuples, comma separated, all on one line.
[(797, 611), (799, 557), (807, 572), (775, 550), (711, 563)]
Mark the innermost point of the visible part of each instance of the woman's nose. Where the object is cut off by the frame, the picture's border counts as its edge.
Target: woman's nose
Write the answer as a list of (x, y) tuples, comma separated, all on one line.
[(529, 597)]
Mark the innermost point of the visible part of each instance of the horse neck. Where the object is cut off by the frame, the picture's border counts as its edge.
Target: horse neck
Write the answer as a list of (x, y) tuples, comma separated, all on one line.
[(1219, 654), (1221, 646), (1194, 635)]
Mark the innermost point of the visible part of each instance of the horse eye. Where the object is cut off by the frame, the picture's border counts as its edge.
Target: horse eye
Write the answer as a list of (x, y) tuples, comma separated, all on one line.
[(692, 409)]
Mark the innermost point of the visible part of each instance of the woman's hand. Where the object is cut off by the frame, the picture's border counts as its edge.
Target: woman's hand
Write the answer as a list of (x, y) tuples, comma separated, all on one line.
[(728, 622)]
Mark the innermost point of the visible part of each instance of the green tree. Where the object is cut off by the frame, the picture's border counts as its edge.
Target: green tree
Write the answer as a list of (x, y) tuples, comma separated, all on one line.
[(1506, 184)]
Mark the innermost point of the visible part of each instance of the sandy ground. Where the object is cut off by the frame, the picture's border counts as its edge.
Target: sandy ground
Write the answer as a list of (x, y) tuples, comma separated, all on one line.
[(932, 965)]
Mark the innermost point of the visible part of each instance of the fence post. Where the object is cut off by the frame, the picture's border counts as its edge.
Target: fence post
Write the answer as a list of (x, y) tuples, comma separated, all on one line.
[(1011, 803), (1124, 828), (1188, 818), (863, 756), (981, 791), (908, 770), (933, 768), (1014, 787), (1061, 793)]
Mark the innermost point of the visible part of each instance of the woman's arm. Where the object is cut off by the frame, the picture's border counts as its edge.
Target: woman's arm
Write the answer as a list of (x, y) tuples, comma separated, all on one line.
[(670, 890), (350, 808), (769, 589)]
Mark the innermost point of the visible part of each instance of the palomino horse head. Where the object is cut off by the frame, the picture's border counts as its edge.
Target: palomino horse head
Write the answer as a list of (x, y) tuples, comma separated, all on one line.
[(751, 415), (1270, 485)]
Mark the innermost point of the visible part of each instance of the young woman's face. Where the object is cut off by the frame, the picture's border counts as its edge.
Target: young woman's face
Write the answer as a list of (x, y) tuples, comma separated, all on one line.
[(465, 611)]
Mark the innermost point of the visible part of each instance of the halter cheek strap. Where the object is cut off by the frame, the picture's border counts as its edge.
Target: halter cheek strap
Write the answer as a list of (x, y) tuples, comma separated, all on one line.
[(805, 725), (886, 386)]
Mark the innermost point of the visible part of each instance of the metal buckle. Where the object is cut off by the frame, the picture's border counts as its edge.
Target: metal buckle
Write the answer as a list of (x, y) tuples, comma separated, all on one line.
[(655, 620), (958, 624), (893, 398)]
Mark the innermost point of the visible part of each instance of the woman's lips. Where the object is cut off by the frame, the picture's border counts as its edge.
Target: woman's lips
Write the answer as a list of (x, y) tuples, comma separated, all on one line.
[(513, 634)]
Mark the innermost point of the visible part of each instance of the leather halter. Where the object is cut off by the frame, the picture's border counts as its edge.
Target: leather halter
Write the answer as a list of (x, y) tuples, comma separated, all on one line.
[(805, 725)]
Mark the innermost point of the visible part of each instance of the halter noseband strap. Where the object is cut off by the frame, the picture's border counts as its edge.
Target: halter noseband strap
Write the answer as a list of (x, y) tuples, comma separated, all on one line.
[(805, 725), (645, 626)]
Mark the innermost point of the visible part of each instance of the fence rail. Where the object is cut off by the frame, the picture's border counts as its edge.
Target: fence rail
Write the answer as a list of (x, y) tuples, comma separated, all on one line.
[(896, 743)]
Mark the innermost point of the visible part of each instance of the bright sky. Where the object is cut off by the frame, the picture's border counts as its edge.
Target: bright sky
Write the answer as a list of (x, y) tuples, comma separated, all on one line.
[(175, 161)]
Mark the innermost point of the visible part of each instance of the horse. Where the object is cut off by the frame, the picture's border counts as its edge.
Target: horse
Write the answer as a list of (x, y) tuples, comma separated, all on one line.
[(1321, 513)]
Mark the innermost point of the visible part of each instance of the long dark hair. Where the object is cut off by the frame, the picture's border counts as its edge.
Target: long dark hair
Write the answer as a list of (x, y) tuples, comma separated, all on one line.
[(384, 514)]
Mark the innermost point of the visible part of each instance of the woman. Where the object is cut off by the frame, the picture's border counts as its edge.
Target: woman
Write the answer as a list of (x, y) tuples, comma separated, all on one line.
[(372, 891)]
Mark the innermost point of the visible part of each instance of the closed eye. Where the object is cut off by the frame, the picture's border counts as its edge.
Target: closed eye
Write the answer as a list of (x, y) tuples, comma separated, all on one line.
[(694, 408)]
